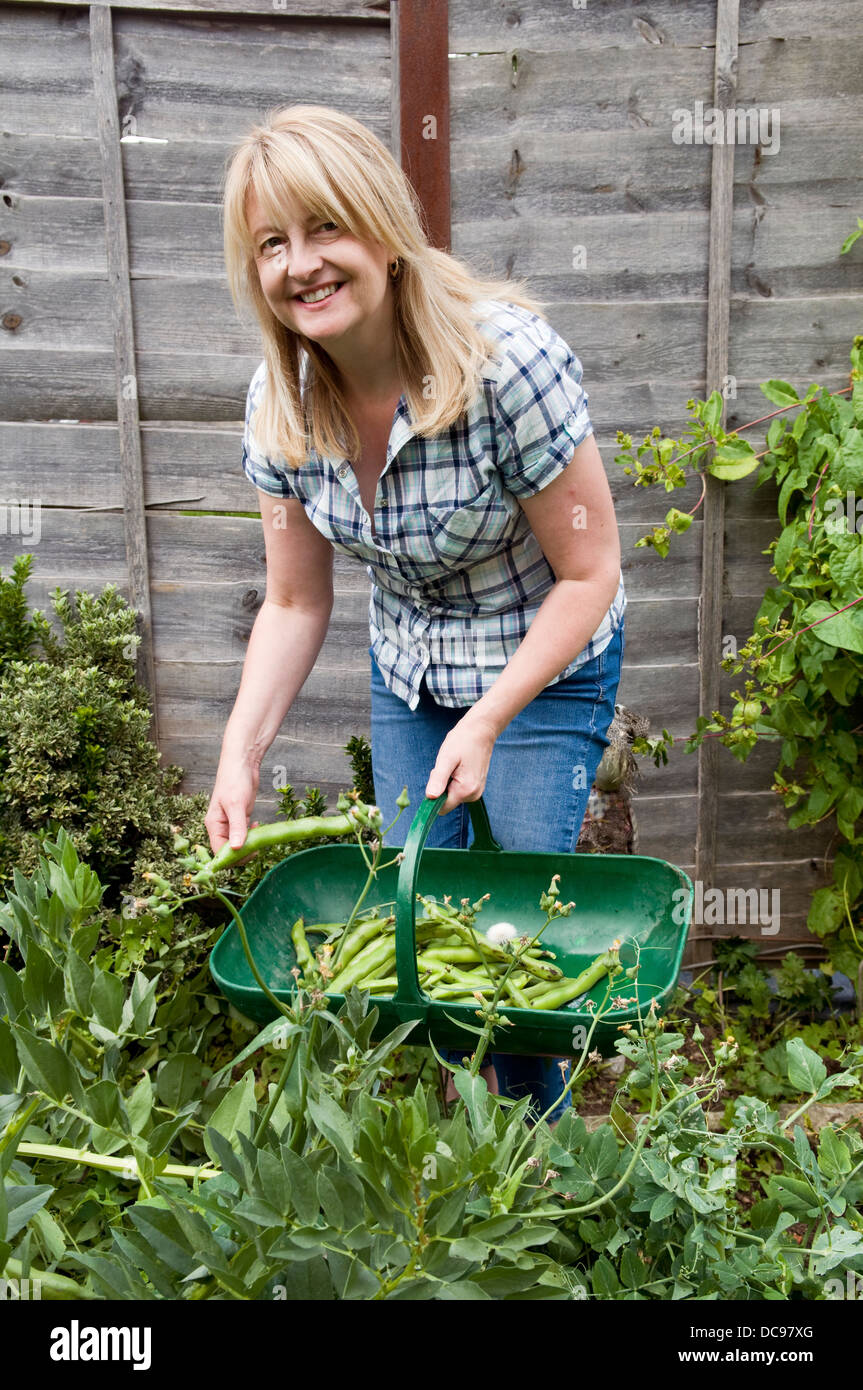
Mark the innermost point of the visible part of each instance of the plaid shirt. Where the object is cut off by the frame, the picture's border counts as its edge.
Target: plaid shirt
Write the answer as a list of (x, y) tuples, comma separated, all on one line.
[(457, 573)]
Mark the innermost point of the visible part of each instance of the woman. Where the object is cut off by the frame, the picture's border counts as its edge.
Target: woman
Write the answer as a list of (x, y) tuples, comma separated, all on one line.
[(432, 424)]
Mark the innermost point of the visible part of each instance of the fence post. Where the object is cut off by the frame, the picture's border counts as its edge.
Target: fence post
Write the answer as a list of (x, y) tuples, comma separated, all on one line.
[(710, 601), (421, 97), (119, 287)]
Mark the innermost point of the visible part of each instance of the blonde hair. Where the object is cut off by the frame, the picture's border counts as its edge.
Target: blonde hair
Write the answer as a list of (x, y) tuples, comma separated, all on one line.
[(317, 159)]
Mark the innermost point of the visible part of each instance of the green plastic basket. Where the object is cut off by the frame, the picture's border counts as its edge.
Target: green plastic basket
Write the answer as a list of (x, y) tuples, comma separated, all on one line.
[(641, 901)]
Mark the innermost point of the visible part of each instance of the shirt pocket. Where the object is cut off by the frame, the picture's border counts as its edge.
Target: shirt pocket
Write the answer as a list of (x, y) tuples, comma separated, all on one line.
[(471, 530)]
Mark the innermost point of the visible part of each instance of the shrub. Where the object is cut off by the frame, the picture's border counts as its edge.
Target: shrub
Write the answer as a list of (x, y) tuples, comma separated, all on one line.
[(75, 746)]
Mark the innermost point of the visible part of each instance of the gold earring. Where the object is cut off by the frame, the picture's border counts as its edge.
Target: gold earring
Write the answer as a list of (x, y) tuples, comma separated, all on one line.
[(395, 268)]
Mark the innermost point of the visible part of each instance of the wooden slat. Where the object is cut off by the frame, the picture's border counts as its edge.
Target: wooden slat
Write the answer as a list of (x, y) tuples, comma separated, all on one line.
[(265, 9), (232, 548), (617, 94), (712, 534), (499, 175), (663, 255), (184, 76), (632, 342), (131, 468), (44, 383), (593, 29)]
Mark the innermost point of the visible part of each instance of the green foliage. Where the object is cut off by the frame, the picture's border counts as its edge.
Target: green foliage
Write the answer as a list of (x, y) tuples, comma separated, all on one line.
[(295, 1164), (359, 751), (75, 748), (18, 633), (804, 660), (762, 1011), (852, 237)]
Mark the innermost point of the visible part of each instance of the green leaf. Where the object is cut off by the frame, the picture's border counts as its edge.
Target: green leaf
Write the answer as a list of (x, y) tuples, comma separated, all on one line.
[(331, 1203), (848, 811), (139, 1103), (351, 1278), (117, 1279), (604, 1279), (663, 1206), (180, 1079), (733, 460), (469, 1248), (232, 1113), (302, 1183), (11, 991), (474, 1092), (501, 1281), (847, 467), (106, 1000), (304, 1282), (8, 1060), (531, 1233), (806, 1071), (449, 1214), (47, 1066), (834, 1156), (132, 1246), (779, 392), (275, 1034), (43, 983), (834, 1247), (843, 630), (601, 1154), (712, 412), (162, 1136), (102, 1102), (79, 982), (139, 1009), (677, 520), (22, 1202), (826, 911), (332, 1122), (784, 548), (165, 1238), (835, 1083), (633, 1272), (461, 1290)]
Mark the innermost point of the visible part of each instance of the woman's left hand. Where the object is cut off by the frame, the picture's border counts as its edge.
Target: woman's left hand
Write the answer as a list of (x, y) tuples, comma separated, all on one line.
[(462, 762)]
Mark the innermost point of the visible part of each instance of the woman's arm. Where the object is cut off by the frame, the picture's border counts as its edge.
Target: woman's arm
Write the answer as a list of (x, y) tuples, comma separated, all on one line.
[(573, 519), (286, 639)]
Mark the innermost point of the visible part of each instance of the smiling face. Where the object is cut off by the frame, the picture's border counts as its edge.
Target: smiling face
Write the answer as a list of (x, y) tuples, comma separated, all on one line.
[(308, 254)]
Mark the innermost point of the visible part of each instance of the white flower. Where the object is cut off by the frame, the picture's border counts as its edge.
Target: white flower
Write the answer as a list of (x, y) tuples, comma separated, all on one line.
[(500, 932)]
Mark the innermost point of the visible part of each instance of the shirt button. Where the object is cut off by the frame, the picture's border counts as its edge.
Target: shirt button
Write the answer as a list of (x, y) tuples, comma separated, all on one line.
[(383, 501), (343, 470)]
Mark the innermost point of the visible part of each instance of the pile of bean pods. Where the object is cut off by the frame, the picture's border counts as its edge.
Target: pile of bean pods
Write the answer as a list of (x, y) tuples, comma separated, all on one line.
[(455, 962)]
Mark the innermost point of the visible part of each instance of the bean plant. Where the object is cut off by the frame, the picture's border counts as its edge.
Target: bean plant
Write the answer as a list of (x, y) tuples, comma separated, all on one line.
[(151, 1148), (803, 662)]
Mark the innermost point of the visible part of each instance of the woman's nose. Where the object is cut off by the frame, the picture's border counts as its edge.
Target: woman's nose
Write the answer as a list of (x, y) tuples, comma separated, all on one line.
[(302, 260)]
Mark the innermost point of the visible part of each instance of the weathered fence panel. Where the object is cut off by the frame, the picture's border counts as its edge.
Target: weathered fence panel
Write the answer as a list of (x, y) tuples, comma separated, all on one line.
[(564, 170)]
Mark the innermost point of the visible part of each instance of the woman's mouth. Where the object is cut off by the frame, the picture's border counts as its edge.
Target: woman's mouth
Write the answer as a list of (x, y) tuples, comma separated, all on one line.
[(319, 297)]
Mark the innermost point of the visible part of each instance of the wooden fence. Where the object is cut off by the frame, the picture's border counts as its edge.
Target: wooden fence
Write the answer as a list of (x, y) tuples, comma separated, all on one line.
[(670, 267)]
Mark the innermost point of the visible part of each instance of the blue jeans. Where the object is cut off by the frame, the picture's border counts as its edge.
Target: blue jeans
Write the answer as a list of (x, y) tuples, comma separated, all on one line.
[(539, 779)]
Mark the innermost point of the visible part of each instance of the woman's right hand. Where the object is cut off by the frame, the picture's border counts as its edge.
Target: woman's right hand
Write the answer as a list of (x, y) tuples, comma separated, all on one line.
[(227, 818)]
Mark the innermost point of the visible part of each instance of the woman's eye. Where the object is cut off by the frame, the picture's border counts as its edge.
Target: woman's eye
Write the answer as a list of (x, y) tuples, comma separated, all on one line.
[(271, 244), (332, 225)]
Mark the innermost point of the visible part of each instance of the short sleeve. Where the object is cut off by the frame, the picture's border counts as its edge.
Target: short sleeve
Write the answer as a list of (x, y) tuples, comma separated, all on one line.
[(257, 467), (542, 409)]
